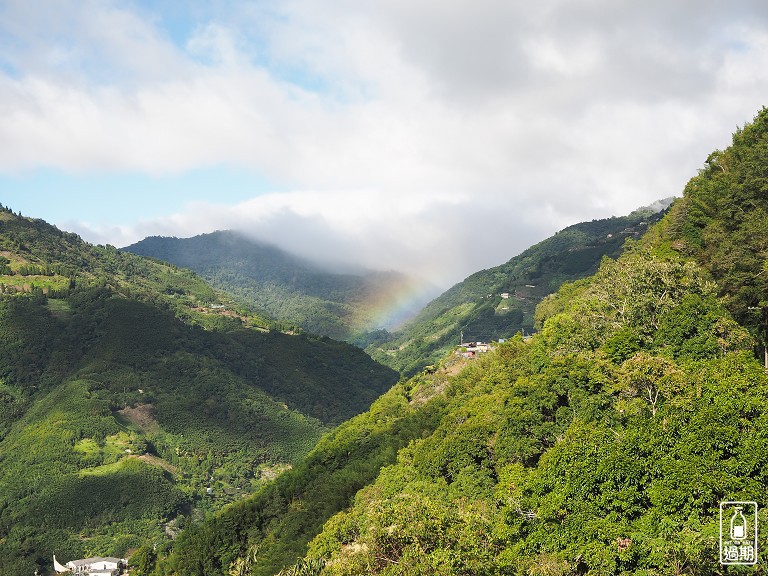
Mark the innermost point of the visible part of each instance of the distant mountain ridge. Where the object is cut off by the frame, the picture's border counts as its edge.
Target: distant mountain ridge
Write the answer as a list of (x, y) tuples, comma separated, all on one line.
[(286, 287), (500, 301)]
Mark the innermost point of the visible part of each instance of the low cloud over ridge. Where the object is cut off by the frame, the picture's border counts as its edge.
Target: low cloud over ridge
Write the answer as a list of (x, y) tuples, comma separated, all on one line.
[(437, 136)]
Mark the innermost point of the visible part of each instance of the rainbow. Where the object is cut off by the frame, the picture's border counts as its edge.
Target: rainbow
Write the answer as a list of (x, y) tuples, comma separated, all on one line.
[(396, 304)]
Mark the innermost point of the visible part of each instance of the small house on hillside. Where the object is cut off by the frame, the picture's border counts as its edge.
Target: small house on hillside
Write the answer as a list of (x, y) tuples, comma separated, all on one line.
[(472, 349), (478, 347), (96, 566)]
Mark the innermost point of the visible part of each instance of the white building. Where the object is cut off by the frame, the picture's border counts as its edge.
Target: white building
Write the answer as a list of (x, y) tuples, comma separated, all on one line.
[(92, 566), (472, 349)]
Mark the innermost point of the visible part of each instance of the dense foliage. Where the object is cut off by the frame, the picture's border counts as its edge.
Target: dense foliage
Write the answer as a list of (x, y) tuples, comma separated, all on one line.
[(119, 411), (499, 302), (292, 290), (604, 445), (271, 530), (721, 222)]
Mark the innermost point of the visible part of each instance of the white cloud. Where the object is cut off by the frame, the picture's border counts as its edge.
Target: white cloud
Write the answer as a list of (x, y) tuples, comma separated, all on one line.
[(564, 59), (414, 129), (332, 227)]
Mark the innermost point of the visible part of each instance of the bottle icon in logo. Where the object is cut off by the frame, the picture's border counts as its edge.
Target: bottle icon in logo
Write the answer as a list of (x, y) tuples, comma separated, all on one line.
[(738, 525), (738, 533)]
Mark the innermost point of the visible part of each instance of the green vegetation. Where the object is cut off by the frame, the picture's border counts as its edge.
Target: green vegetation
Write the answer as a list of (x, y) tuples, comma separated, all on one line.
[(294, 291), (499, 302), (572, 454), (603, 445), (38, 258), (271, 530), (119, 411), (721, 222)]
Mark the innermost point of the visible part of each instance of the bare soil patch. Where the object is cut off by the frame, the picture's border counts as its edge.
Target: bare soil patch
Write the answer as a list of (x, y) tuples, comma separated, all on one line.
[(143, 416)]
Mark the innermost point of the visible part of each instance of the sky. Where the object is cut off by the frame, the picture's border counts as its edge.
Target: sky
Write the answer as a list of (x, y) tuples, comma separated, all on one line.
[(433, 137)]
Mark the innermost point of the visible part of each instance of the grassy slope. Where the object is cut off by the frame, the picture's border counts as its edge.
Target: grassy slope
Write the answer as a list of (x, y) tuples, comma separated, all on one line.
[(35, 256), (121, 363), (476, 308)]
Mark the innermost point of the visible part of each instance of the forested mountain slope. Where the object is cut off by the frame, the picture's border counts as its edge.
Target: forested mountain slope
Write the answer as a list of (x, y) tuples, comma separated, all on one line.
[(288, 288), (604, 445), (499, 302), (119, 409), (723, 223)]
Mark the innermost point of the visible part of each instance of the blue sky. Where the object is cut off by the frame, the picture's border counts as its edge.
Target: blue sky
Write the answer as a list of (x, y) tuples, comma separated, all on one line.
[(390, 134), (116, 198)]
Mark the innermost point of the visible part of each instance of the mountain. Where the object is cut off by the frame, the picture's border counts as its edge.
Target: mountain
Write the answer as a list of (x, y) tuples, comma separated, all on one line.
[(499, 302), (134, 396), (288, 288), (604, 444)]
